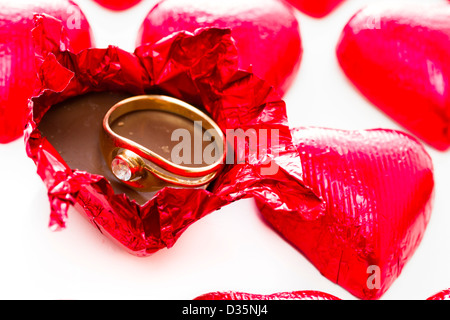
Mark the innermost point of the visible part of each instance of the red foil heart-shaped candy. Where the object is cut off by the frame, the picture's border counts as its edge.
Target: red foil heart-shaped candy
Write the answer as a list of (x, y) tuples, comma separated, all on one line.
[(295, 295), (377, 186), (442, 295), (316, 8), (398, 57), (118, 5), (266, 32), (18, 72)]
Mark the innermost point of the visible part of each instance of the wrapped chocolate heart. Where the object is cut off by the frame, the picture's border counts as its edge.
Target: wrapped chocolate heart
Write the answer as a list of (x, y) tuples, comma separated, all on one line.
[(397, 56), (18, 72), (377, 187), (266, 32), (441, 295), (316, 8), (118, 5), (294, 295)]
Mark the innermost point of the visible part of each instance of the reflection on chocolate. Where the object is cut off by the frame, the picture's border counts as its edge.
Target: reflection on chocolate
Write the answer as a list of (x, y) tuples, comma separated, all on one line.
[(153, 130), (73, 128)]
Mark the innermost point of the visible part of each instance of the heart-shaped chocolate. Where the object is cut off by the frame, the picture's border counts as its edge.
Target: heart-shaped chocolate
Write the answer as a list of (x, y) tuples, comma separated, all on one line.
[(266, 32), (398, 57), (18, 72), (316, 8), (118, 5), (442, 295), (377, 186), (295, 295)]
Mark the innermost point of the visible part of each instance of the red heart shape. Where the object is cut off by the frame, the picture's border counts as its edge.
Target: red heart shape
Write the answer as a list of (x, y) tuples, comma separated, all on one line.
[(18, 72), (266, 32), (316, 8), (442, 295), (118, 5), (295, 295), (377, 187), (398, 57)]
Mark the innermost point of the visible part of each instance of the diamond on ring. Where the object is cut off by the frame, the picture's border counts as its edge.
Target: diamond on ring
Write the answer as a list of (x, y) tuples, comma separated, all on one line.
[(121, 169)]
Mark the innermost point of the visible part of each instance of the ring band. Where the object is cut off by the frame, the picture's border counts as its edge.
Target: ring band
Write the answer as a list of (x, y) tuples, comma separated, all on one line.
[(143, 169)]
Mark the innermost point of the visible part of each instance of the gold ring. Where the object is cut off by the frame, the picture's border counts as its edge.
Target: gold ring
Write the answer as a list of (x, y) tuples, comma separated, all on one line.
[(145, 170)]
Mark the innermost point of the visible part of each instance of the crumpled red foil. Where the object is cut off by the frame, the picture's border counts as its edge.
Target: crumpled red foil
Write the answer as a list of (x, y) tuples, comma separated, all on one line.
[(18, 72), (118, 5), (442, 295), (266, 32), (398, 57), (294, 295), (378, 188), (199, 68), (316, 8)]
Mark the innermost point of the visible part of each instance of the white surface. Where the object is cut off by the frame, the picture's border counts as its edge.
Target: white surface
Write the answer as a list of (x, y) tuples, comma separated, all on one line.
[(232, 249)]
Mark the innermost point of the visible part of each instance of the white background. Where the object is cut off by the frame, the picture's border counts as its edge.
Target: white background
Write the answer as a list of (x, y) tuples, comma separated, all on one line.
[(232, 249)]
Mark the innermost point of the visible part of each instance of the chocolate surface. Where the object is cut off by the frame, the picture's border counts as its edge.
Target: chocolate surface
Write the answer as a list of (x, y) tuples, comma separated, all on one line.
[(153, 130), (73, 127)]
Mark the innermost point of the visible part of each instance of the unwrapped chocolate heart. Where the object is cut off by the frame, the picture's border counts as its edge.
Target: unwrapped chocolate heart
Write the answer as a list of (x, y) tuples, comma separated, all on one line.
[(316, 8), (398, 57), (18, 74), (266, 32), (378, 188), (294, 295)]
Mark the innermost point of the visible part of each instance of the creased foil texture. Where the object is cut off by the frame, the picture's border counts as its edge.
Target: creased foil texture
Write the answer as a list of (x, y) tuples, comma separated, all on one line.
[(294, 295), (398, 57), (17, 69), (377, 186), (198, 68)]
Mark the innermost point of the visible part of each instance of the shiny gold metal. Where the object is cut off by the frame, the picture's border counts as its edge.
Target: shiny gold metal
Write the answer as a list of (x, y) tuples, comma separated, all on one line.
[(145, 170)]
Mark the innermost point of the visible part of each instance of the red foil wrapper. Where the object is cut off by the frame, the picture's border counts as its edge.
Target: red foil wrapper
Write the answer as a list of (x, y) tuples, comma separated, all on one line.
[(316, 8), (266, 32), (377, 187), (118, 5), (200, 68), (443, 295), (18, 72), (398, 57), (295, 295)]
